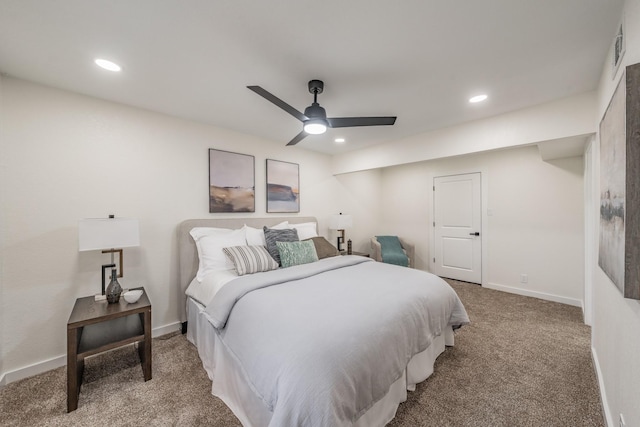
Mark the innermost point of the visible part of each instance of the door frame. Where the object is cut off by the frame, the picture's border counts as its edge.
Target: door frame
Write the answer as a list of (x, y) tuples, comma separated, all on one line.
[(484, 197), (591, 222)]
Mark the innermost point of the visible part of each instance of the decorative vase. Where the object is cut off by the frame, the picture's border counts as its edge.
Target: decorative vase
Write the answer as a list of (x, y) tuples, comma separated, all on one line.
[(113, 289)]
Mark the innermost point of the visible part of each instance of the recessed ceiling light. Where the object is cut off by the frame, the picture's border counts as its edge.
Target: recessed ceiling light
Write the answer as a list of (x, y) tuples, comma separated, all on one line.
[(108, 65), (477, 98), (339, 140)]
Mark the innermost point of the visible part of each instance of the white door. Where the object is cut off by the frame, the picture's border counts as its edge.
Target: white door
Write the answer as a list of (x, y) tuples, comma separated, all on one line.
[(457, 209)]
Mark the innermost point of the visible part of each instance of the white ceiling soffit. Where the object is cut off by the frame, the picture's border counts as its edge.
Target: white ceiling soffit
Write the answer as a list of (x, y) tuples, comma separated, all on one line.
[(418, 60), (564, 147)]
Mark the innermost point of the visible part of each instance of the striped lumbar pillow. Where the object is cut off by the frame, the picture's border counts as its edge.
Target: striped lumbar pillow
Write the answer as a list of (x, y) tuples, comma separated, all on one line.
[(250, 259)]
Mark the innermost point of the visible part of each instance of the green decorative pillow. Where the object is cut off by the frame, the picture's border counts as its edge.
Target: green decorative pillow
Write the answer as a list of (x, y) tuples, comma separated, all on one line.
[(324, 249), (296, 253)]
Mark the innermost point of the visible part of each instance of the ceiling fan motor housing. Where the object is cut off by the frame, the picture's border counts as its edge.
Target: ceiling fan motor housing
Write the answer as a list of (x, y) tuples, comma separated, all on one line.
[(315, 111)]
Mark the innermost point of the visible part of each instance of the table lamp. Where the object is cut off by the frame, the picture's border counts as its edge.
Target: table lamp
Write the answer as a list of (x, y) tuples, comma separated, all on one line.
[(107, 234), (340, 222)]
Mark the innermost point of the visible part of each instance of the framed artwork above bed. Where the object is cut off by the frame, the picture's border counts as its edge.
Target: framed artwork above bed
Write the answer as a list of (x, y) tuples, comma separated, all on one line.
[(283, 187), (231, 182)]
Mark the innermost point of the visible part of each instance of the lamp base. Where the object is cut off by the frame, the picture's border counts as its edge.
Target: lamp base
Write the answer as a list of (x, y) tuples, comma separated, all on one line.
[(121, 265), (340, 240)]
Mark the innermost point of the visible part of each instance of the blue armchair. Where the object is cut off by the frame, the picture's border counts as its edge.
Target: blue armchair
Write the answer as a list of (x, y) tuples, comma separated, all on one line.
[(407, 247)]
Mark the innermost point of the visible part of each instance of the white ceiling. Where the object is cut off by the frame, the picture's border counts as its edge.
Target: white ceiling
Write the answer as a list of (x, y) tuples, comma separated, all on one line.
[(417, 59)]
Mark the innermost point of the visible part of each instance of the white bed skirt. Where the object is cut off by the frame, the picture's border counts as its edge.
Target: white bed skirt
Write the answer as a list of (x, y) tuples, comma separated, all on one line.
[(229, 385)]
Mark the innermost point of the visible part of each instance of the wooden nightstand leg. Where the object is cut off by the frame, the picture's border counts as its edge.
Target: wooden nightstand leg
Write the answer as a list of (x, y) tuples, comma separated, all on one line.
[(72, 370), (144, 350)]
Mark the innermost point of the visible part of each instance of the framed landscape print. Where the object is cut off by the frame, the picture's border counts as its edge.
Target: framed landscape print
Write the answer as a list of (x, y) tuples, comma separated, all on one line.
[(283, 187), (619, 244), (231, 182)]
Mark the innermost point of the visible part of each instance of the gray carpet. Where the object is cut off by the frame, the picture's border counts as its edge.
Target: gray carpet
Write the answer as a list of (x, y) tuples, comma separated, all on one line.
[(521, 362)]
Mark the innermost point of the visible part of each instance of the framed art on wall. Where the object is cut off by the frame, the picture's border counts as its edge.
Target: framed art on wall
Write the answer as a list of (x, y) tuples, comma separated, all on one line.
[(619, 244), (231, 182), (283, 187)]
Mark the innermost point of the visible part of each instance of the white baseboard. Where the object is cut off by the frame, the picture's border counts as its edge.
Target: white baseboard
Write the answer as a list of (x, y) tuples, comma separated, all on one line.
[(56, 362), (166, 329), (603, 395), (535, 294), (31, 370)]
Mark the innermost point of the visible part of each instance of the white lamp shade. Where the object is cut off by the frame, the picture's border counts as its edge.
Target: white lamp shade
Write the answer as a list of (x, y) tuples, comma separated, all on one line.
[(340, 222), (107, 233)]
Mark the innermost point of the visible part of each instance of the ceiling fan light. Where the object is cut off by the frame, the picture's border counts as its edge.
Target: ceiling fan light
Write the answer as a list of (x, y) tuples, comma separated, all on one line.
[(315, 127)]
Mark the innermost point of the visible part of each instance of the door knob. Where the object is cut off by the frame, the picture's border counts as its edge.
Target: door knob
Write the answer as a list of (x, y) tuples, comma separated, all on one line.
[(474, 234)]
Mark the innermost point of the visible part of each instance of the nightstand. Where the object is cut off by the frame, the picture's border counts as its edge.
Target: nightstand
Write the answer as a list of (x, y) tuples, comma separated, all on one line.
[(97, 326), (355, 253)]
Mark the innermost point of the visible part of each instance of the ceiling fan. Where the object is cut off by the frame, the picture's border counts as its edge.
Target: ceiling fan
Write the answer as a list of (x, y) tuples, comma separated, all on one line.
[(315, 118)]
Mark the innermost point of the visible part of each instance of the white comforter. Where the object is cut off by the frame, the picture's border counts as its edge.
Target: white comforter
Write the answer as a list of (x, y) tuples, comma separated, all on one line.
[(321, 343)]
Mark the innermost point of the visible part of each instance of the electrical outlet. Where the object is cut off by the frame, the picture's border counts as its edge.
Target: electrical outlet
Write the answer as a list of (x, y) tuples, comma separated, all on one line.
[(621, 423), (524, 278)]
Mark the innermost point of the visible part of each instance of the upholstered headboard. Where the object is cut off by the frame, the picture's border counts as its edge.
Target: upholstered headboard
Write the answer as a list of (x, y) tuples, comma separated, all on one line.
[(188, 254)]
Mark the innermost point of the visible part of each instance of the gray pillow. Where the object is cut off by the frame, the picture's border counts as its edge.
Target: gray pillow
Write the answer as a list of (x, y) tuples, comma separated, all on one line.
[(272, 236), (324, 249)]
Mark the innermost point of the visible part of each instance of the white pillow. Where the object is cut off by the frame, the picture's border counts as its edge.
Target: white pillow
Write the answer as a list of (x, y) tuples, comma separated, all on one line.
[(209, 242), (306, 230), (255, 236)]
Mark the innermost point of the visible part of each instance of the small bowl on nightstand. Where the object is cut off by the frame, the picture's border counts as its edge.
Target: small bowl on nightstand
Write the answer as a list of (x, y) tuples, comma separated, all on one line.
[(132, 295)]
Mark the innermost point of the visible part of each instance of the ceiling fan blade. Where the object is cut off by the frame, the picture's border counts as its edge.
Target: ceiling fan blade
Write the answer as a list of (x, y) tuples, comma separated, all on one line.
[(345, 122), (279, 102), (299, 137)]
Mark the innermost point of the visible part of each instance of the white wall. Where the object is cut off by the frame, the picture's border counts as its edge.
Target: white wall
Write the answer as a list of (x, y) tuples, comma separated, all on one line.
[(536, 226), (616, 321), (65, 157), (361, 198)]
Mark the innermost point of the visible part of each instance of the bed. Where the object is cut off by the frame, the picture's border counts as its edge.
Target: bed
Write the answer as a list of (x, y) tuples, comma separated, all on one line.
[(335, 342)]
